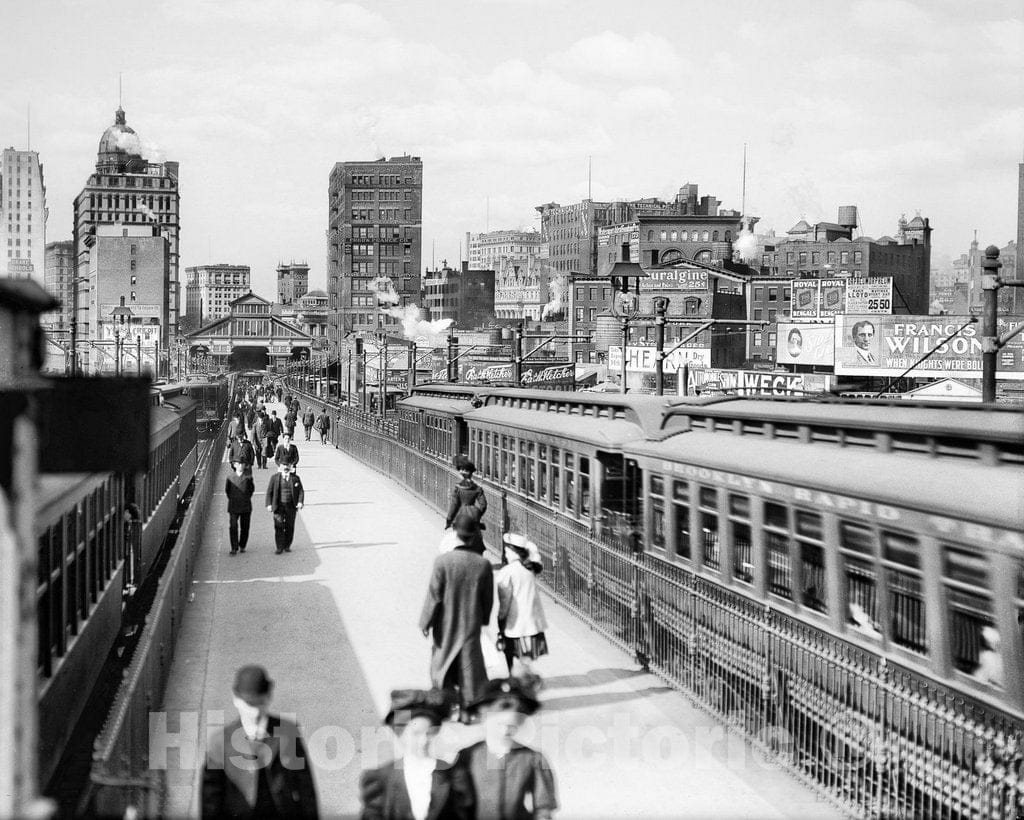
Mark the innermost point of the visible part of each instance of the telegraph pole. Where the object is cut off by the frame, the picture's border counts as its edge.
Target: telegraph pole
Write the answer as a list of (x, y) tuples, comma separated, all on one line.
[(517, 357), (989, 323), (660, 308)]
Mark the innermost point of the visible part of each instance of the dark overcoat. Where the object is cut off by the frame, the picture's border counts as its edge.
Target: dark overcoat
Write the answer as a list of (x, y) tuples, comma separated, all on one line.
[(231, 771), (239, 491), (458, 604), (466, 494), (273, 498), (385, 796), (516, 786)]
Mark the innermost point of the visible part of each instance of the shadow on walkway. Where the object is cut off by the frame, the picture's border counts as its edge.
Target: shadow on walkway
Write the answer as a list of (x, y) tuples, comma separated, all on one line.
[(595, 677), (602, 698)]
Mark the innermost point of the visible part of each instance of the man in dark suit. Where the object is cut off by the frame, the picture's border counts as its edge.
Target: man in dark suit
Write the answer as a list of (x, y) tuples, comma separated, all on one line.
[(239, 488), (458, 604), (242, 452), (286, 451), (256, 766), (274, 430), (285, 497)]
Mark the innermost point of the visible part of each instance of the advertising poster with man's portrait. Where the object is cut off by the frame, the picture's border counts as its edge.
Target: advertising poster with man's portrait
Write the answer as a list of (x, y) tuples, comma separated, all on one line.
[(869, 345)]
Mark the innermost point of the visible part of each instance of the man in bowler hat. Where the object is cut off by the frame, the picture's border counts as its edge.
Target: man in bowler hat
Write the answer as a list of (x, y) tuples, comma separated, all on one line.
[(239, 488), (256, 766), (458, 604), (285, 497)]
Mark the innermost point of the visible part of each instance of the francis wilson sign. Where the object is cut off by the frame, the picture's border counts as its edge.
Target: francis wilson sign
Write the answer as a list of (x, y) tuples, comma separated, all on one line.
[(869, 345)]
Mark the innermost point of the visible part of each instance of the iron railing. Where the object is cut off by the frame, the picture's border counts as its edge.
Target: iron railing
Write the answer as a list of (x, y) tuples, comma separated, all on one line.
[(874, 739)]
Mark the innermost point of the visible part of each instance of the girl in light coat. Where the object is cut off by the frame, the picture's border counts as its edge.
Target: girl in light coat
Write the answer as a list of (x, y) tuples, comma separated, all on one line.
[(520, 614)]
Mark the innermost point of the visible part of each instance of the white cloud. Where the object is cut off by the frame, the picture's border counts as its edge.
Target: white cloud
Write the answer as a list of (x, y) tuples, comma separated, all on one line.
[(615, 57)]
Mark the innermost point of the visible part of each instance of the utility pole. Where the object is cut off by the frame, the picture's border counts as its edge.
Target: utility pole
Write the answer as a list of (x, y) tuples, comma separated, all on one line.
[(991, 340), (452, 366), (660, 309), (517, 356)]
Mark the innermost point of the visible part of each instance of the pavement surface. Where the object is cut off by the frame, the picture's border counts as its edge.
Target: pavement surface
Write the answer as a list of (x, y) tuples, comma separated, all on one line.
[(334, 623)]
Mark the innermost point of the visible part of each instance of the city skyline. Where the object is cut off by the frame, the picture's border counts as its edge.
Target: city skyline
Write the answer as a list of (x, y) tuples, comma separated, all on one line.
[(897, 107)]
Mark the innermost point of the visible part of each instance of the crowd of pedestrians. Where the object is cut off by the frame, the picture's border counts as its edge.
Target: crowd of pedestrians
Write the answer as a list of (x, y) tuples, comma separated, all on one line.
[(497, 777)]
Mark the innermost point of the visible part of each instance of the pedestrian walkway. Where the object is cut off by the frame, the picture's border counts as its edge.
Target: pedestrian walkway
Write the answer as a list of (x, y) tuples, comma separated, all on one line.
[(334, 622)]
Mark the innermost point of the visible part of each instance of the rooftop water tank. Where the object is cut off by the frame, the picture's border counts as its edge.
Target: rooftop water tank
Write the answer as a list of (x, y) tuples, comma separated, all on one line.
[(848, 216)]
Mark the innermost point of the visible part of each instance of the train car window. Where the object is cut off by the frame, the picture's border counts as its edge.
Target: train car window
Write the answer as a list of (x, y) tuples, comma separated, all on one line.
[(556, 474), (584, 473), (504, 459), (657, 539), (709, 527), (970, 623), (742, 539), (531, 468), (542, 472), (809, 537), (776, 535), (45, 637), (861, 578), (522, 466), (681, 502), (906, 591), (570, 482)]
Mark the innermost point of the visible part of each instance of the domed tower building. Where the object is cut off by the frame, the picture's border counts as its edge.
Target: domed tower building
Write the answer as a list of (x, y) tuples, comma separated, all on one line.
[(131, 202)]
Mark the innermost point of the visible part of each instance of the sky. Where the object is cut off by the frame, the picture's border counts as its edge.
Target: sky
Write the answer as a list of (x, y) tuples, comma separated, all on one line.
[(897, 107)]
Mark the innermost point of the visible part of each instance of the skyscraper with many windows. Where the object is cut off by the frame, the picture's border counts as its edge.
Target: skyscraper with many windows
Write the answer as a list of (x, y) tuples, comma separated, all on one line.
[(23, 215), (126, 189), (374, 236)]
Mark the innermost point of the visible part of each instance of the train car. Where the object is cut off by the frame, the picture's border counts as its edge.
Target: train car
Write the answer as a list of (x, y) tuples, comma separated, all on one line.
[(97, 537), (431, 419), (210, 394), (888, 535)]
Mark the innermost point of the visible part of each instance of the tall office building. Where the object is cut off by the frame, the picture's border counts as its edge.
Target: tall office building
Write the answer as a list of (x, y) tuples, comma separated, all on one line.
[(59, 276), (292, 282), (375, 212), (489, 251), (210, 290), (126, 189), (23, 214)]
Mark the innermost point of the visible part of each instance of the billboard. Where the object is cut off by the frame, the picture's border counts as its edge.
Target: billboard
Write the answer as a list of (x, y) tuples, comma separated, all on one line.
[(868, 345), (757, 382), (821, 299), (547, 375), (805, 344), (870, 295), (641, 359), (675, 279)]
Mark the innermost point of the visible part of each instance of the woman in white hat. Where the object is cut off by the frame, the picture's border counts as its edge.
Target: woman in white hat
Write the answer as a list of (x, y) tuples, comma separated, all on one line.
[(520, 614)]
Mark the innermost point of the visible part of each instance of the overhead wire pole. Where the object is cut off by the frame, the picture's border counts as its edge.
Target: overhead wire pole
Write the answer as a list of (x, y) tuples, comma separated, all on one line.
[(991, 341)]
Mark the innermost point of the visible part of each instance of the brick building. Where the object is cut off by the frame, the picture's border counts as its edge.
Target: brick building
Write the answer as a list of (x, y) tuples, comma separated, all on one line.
[(374, 229), (127, 190), (465, 296), (292, 282), (210, 290), (59, 275)]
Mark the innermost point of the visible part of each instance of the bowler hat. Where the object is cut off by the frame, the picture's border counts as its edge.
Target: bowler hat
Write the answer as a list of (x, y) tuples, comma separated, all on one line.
[(466, 523), (252, 682), (407, 704), (463, 463), (508, 693)]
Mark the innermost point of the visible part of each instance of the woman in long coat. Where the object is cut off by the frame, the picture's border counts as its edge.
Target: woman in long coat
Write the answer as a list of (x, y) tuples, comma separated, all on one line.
[(457, 606), (467, 493)]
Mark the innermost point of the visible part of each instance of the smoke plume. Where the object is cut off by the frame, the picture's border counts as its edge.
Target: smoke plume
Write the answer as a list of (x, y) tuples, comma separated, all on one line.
[(416, 329), (745, 246), (147, 211), (555, 304), (130, 143), (385, 291)]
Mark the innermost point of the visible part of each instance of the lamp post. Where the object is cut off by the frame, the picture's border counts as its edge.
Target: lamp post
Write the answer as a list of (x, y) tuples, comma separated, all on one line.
[(660, 309), (625, 304), (121, 316), (74, 322)]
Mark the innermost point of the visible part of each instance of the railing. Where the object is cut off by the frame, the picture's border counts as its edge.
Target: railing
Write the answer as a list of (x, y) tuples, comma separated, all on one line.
[(874, 739), (121, 781)]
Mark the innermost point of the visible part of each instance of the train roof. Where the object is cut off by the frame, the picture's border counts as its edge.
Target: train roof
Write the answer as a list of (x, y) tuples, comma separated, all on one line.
[(440, 404), (988, 422), (602, 432), (958, 488)]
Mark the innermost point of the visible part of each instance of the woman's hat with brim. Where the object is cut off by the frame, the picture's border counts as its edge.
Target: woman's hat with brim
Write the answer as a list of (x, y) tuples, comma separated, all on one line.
[(463, 463), (466, 523), (507, 694), (523, 545), (407, 704)]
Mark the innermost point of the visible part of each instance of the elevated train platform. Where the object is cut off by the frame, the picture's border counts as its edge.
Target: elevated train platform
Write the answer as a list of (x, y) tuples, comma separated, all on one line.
[(334, 622)]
